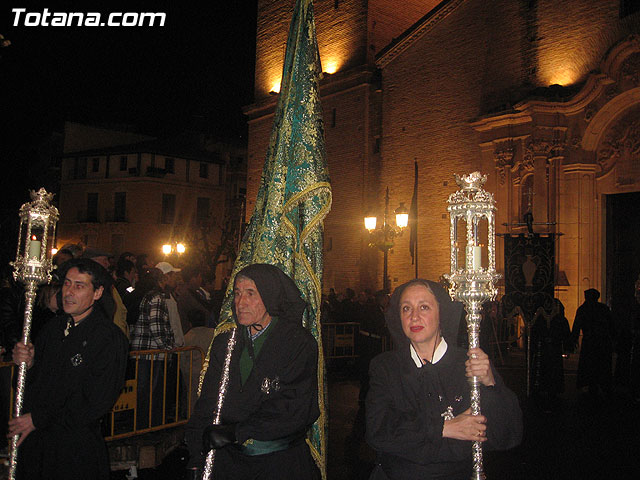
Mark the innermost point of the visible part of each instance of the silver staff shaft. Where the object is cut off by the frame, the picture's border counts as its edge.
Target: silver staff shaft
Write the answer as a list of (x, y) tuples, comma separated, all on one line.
[(222, 392), (30, 297), (473, 329)]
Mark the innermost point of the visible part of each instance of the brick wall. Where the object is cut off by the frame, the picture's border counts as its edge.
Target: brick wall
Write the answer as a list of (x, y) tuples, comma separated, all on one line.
[(342, 38)]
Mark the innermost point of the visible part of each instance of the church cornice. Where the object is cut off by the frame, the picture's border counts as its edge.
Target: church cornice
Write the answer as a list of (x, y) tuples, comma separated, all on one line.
[(415, 32), (594, 87)]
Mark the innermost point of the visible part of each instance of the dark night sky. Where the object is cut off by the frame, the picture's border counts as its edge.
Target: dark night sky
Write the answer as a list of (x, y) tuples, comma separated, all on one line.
[(195, 73)]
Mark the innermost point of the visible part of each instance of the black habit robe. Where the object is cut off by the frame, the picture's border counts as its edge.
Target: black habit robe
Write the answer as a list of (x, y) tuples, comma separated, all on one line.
[(261, 408), (74, 381)]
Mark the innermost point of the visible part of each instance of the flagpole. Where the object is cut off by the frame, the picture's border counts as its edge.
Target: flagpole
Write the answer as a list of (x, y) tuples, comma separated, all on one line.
[(413, 220), (415, 187)]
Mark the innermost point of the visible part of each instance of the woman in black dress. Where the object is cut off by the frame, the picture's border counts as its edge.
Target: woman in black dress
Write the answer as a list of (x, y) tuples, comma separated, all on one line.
[(418, 407)]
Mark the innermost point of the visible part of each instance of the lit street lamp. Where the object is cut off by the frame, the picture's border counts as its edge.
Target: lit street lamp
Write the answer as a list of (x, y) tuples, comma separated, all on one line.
[(382, 236), (169, 248)]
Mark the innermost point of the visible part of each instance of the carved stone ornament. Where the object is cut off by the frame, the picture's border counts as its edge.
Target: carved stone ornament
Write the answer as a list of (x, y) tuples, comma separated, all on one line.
[(576, 141), (589, 113), (533, 149), (630, 71), (621, 148), (503, 155)]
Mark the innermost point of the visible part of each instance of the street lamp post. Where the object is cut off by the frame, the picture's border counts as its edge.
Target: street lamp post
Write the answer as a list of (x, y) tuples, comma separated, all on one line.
[(382, 237)]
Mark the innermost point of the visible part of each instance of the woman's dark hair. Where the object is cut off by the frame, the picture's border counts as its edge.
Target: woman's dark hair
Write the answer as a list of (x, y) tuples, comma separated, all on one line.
[(141, 261), (46, 292), (149, 280), (124, 266)]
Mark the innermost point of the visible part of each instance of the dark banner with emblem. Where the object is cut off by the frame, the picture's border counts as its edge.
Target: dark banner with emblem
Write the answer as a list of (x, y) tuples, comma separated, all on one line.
[(529, 273)]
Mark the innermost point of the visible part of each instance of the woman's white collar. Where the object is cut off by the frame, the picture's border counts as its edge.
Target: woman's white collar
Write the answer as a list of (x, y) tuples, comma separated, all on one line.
[(441, 349)]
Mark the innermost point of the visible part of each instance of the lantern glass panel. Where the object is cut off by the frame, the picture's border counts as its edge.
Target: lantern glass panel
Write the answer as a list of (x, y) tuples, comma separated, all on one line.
[(461, 242), (483, 236)]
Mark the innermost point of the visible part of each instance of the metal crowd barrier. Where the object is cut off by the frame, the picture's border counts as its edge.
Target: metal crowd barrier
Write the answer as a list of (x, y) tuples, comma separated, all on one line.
[(339, 340), (177, 372)]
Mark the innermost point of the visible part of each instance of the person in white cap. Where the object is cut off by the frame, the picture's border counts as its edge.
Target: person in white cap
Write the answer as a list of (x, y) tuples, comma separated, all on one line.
[(170, 285), (152, 331)]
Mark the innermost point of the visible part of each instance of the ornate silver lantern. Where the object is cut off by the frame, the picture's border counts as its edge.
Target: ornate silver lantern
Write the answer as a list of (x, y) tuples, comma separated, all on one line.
[(32, 267), (473, 282)]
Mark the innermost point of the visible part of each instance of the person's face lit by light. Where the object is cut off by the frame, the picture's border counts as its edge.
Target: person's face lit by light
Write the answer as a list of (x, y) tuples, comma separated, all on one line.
[(250, 309), (78, 294), (420, 315)]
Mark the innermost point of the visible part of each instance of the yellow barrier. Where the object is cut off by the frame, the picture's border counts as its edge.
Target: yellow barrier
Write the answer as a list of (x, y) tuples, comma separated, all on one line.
[(176, 381)]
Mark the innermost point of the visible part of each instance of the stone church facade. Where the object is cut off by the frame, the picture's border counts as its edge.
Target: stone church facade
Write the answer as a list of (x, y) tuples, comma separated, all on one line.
[(542, 96)]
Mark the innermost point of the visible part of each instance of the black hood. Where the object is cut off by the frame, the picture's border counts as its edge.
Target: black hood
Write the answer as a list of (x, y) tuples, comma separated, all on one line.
[(279, 293), (450, 314)]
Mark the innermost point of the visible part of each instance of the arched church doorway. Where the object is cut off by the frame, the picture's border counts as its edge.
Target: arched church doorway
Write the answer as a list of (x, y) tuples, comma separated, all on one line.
[(622, 257)]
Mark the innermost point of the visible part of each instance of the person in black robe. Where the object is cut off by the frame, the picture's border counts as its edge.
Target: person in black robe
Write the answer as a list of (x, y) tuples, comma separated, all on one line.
[(272, 396), (594, 319), (76, 371), (419, 420), (551, 337)]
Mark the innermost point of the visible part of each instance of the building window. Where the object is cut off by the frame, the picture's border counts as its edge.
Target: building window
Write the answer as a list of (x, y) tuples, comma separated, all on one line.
[(204, 170), (120, 207), (202, 209), (169, 165), (168, 208), (92, 207), (628, 7), (95, 164), (124, 164)]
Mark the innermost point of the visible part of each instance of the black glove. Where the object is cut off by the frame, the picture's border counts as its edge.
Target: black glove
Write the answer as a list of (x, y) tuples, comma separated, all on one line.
[(218, 436), (191, 474)]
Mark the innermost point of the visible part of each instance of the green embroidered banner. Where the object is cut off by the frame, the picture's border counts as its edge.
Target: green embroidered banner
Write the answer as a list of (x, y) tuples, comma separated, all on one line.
[(286, 227)]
